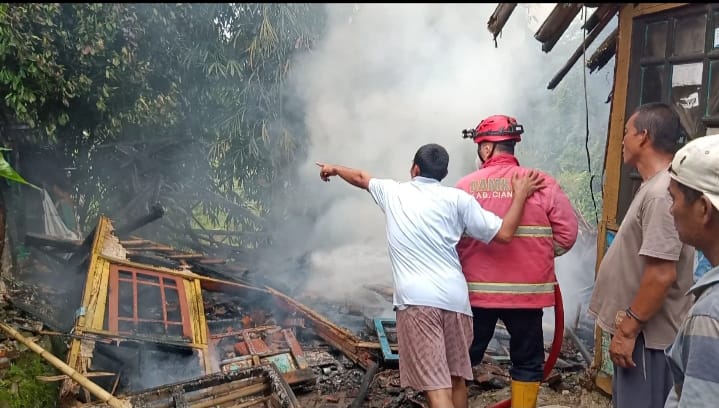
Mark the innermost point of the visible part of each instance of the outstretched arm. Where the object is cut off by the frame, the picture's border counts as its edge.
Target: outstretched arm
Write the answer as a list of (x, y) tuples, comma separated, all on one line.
[(357, 178)]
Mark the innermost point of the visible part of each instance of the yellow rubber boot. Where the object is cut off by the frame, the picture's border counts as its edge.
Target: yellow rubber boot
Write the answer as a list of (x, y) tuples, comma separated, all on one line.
[(524, 394)]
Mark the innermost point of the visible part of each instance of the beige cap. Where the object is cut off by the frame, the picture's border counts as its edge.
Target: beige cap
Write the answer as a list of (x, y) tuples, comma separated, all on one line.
[(696, 165)]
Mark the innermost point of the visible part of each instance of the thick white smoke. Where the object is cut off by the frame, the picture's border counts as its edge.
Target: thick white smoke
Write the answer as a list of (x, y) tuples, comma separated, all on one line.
[(389, 78)]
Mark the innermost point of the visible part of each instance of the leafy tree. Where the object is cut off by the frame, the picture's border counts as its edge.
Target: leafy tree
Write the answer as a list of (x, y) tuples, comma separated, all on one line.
[(182, 104)]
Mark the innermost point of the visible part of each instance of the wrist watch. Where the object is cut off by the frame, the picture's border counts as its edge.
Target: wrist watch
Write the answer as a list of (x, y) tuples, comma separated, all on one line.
[(619, 318)]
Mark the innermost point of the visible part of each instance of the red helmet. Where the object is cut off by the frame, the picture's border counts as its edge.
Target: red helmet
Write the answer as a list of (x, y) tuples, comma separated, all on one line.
[(496, 128)]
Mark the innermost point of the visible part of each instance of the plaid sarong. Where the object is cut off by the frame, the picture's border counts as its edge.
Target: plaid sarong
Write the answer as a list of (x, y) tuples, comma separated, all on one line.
[(433, 347)]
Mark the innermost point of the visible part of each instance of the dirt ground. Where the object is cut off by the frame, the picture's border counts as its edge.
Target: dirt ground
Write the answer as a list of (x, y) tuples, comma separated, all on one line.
[(575, 397)]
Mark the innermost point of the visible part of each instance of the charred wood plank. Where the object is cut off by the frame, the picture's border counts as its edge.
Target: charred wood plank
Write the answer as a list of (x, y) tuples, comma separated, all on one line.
[(499, 18), (606, 12), (156, 212), (83, 252), (364, 387), (135, 242), (556, 24), (186, 256), (251, 234), (152, 260), (604, 52), (154, 248), (296, 349), (212, 261), (338, 337), (217, 390), (243, 392), (38, 314), (42, 240)]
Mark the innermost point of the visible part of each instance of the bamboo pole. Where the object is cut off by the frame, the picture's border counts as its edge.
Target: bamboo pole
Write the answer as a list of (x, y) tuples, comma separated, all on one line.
[(95, 389), (62, 377)]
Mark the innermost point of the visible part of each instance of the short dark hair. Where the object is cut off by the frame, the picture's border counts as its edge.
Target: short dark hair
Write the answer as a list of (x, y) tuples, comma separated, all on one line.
[(661, 123), (506, 146), (691, 195), (432, 160)]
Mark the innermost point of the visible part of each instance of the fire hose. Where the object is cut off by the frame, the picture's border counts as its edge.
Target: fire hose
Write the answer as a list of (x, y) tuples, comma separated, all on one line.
[(556, 343)]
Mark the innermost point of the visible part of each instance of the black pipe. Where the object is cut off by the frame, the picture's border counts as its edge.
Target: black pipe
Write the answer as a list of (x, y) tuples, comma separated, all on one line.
[(83, 252), (580, 346), (156, 212), (364, 388)]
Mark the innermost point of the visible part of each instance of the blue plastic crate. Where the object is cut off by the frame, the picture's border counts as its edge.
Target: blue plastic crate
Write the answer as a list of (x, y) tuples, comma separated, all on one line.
[(379, 324)]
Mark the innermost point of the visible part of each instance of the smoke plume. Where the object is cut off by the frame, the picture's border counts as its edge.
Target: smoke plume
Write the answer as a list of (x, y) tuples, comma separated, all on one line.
[(387, 79)]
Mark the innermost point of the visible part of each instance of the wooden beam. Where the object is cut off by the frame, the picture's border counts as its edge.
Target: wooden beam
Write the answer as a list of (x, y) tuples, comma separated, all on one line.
[(651, 8), (155, 248), (102, 228), (608, 11), (212, 261), (604, 52), (615, 132), (186, 256), (499, 18), (556, 24), (339, 337), (135, 242), (42, 240), (237, 233)]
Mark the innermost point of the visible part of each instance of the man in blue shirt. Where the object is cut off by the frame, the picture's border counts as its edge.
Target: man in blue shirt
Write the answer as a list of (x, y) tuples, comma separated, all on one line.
[(694, 356)]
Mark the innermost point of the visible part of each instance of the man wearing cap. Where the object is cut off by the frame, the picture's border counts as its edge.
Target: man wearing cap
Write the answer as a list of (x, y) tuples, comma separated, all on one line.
[(639, 292), (694, 356), (514, 282)]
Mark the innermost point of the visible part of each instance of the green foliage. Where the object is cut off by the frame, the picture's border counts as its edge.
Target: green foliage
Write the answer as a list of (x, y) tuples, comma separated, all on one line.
[(560, 148), (19, 387), (179, 103), (7, 172)]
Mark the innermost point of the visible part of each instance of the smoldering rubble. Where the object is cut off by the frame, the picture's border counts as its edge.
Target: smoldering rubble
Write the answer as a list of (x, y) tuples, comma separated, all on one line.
[(144, 324)]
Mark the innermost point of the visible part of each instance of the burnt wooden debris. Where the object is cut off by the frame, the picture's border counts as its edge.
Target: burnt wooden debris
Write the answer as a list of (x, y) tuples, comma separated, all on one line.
[(210, 337), (557, 23)]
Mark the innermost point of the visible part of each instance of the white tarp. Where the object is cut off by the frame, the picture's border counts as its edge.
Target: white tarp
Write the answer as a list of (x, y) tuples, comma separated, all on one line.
[(54, 226)]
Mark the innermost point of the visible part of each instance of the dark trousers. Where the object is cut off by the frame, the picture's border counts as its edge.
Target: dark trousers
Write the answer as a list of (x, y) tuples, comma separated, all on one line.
[(526, 342), (645, 386)]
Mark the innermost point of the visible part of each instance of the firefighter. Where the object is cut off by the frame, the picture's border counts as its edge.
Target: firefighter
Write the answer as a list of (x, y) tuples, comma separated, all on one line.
[(513, 282)]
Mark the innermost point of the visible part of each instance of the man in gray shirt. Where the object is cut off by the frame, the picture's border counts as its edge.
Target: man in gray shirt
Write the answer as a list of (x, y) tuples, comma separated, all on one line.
[(639, 291)]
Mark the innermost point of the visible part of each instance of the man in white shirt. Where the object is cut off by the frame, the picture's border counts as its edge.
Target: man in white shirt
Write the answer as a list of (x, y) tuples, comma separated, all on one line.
[(425, 220)]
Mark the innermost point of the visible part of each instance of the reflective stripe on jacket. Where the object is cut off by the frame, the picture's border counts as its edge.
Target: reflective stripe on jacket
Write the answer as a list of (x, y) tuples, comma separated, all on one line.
[(518, 275)]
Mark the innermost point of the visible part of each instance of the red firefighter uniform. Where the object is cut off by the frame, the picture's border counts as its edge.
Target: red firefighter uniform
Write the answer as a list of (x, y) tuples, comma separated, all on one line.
[(519, 274), (515, 281)]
